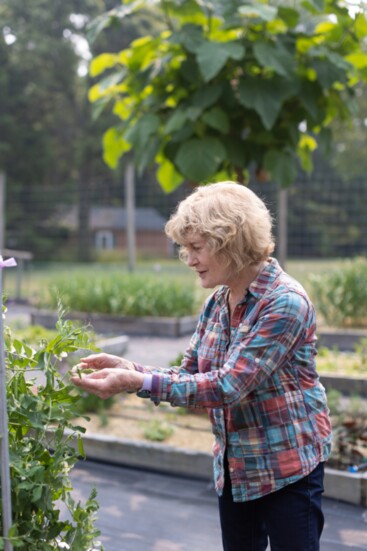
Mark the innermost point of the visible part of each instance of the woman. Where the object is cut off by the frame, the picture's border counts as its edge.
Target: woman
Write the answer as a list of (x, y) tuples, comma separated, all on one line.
[(251, 362)]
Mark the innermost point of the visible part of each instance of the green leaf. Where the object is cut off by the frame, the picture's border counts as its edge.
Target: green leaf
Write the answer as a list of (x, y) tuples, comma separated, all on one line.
[(262, 11), (328, 72), (282, 167), (275, 56), (218, 119), (361, 26), (310, 95), (97, 25), (81, 447), (357, 59), (37, 493), (145, 156), (102, 62), (189, 36), (289, 16), (198, 159), (207, 95), (113, 147), (168, 177), (266, 96), (314, 5), (212, 56), (175, 121), (138, 134)]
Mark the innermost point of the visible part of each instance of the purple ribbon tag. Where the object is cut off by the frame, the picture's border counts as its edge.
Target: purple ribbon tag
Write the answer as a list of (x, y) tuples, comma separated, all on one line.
[(8, 263)]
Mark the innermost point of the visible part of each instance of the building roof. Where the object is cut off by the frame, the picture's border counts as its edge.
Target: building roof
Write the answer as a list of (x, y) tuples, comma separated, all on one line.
[(110, 218)]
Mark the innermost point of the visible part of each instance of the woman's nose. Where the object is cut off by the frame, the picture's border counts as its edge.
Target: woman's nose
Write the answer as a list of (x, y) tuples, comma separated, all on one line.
[(191, 259)]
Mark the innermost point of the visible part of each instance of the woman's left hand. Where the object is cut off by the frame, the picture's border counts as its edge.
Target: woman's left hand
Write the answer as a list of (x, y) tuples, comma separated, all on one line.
[(108, 382)]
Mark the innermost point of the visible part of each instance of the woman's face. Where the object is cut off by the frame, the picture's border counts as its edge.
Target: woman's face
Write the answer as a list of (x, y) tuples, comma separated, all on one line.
[(208, 267)]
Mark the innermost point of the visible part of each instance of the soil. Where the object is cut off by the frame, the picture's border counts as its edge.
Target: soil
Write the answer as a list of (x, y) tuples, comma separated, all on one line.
[(134, 418)]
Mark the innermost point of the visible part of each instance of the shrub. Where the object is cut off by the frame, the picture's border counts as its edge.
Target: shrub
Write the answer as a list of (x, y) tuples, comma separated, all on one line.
[(341, 296), (41, 405)]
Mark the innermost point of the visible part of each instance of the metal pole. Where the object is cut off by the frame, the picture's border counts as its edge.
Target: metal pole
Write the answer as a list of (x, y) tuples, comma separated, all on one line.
[(282, 225), (130, 215), (4, 440)]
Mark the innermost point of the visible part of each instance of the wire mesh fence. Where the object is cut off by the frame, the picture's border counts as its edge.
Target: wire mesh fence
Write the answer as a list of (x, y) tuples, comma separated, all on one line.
[(326, 217)]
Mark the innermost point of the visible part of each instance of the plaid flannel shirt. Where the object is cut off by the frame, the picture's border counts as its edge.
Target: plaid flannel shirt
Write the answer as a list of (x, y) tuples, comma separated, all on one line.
[(256, 374)]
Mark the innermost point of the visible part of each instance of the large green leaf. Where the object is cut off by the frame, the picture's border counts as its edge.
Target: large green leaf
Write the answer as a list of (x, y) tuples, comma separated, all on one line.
[(212, 56), (198, 159), (282, 167), (218, 119), (266, 96), (274, 55)]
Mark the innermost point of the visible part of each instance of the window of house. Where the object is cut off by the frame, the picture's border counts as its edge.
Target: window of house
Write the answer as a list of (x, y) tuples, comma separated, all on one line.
[(105, 240)]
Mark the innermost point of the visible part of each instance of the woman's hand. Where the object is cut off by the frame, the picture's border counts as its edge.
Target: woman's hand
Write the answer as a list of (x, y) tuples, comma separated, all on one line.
[(103, 361), (108, 381)]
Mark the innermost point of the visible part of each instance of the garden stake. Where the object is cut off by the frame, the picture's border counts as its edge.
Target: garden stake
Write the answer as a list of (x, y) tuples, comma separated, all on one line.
[(4, 440)]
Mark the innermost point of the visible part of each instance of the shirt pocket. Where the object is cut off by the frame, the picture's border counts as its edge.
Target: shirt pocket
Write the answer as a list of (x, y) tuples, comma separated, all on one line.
[(212, 343)]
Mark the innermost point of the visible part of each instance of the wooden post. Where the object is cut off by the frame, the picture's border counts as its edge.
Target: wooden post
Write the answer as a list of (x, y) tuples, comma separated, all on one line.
[(130, 215), (282, 227)]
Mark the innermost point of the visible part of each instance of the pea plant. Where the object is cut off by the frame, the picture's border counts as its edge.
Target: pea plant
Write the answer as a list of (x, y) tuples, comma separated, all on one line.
[(41, 407)]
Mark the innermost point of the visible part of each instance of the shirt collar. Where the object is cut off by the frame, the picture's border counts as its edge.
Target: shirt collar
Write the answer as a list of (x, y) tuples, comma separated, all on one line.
[(265, 278), (260, 284)]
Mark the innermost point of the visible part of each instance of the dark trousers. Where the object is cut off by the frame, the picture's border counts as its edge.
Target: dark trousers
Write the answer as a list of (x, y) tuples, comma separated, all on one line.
[(290, 518)]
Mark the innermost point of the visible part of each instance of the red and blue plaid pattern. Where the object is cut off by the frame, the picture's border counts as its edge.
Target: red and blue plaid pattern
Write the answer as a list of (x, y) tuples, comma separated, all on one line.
[(257, 377)]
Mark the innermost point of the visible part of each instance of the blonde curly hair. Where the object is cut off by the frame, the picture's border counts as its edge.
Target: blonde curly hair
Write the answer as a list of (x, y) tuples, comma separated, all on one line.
[(234, 222)]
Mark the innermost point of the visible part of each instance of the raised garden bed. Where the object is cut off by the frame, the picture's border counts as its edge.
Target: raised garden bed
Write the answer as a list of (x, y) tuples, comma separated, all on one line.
[(107, 323)]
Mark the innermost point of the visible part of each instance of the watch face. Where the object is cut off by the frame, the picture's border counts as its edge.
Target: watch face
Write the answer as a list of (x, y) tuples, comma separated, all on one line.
[(143, 393)]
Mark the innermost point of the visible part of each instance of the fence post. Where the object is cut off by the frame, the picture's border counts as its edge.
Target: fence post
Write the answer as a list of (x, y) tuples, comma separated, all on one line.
[(130, 214), (282, 227), (2, 211)]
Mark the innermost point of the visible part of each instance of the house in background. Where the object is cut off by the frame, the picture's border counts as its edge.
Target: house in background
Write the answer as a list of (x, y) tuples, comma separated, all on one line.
[(107, 227)]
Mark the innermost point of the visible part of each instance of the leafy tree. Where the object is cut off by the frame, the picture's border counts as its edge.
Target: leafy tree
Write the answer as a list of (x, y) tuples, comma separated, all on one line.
[(50, 144), (229, 85)]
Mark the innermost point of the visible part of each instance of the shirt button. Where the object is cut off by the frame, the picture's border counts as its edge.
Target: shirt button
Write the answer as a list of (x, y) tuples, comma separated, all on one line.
[(231, 469)]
